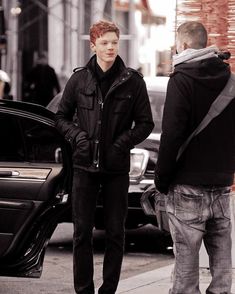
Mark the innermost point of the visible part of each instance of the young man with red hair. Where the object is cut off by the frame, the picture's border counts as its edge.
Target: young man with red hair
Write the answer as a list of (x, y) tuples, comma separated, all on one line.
[(112, 115)]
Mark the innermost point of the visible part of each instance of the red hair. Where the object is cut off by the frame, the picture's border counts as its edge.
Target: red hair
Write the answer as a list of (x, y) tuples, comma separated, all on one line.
[(101, 27)]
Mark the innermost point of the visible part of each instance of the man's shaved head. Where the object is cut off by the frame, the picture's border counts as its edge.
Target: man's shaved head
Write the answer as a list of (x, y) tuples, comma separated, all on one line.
[(192, 34)]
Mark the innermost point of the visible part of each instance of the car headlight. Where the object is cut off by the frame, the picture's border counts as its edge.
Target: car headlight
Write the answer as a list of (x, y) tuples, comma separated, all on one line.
[(139, 161)]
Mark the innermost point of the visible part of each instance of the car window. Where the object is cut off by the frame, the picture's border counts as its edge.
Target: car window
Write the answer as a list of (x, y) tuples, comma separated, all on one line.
[(41, 141), (11, 146), (157, 100), (24, 139)]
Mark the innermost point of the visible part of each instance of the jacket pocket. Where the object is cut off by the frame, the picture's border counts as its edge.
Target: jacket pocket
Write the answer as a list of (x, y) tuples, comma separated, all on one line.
[(86, 100), (117, 160), (122, 103), (82, 152)]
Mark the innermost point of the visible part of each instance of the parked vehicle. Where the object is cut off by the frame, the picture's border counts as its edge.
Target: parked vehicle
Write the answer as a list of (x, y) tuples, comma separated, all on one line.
[(34, 185), (35, 181)]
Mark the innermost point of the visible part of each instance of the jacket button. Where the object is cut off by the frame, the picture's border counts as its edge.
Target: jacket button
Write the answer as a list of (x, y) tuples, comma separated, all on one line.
[(96, 141)]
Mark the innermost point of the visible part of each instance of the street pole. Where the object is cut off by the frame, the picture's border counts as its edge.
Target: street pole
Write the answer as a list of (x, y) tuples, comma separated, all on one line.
[(132, 52), (2, 32)]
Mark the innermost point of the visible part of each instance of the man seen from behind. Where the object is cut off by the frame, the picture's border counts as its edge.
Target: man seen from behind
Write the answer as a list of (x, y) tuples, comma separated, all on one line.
[(198, 184)]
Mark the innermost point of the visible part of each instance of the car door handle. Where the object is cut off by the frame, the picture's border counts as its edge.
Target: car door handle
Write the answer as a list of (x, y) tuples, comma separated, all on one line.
[(9, 173)]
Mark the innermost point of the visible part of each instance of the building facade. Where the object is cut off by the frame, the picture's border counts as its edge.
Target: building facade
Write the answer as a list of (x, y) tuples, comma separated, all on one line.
[(217, 16), (60, 29)]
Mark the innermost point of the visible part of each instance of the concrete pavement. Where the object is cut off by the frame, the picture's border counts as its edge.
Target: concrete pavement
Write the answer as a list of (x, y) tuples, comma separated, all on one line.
[(152, 282), (159, 281)]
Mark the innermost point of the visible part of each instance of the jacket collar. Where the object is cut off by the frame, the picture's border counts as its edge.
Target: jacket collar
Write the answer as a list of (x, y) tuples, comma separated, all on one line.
[(123, 71), (91, 65)]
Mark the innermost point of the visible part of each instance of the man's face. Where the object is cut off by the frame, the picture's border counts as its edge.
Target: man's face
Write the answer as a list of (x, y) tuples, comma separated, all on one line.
[(106, 49)]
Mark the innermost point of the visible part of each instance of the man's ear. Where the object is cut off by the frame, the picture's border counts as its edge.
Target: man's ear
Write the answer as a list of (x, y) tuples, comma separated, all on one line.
[(185, 46), (92, 46)]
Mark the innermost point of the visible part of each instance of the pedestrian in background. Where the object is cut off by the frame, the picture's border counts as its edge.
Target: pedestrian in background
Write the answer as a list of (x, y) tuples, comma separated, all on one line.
[(41, 83), (5, 86), (108, 98), (198, 184)]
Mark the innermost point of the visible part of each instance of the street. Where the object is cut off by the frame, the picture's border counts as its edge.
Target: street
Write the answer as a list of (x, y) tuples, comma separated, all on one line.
[(145, 251)]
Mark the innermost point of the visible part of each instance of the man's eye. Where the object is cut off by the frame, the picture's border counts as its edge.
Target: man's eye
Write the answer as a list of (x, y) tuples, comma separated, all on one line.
[(115, 43), (104, 43)]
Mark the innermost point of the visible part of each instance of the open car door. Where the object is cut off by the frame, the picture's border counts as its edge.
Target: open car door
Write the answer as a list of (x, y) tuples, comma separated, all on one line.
[(35, 176)]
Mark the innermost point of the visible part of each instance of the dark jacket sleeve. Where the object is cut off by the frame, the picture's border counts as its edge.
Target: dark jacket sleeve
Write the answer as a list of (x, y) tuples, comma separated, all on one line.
[(64, 116), (143, 121), (174, 131)]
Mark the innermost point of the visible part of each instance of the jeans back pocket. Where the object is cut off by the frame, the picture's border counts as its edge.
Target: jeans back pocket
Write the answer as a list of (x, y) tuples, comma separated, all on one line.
[(188, 204)]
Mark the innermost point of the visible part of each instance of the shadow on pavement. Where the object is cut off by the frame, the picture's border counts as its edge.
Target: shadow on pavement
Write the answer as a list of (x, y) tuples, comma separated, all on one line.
[(147, 239)]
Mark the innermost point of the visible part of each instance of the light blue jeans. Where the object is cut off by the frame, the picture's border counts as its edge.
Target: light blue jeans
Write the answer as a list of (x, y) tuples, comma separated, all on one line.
[(196, 214)]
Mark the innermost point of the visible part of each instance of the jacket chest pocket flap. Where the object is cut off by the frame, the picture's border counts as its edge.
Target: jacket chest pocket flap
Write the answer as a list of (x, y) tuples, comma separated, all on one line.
[(122, 103), (86, 100)]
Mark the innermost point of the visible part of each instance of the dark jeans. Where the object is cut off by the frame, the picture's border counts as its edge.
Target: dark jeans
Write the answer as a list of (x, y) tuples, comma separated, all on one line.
[(115, 202), (196, 214)]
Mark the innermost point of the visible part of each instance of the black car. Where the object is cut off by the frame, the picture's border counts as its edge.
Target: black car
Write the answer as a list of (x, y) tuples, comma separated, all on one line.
[(35, 184)]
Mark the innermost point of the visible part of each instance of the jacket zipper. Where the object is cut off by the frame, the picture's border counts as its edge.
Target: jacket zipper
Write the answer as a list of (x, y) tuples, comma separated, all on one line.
[(96, 160), (96, 153)]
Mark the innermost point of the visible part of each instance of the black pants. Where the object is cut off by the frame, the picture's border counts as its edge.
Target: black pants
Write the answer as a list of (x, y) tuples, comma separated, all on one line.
[(84, 195)]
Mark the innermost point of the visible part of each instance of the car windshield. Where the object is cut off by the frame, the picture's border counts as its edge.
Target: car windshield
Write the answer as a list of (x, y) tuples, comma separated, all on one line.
[(157, 100)]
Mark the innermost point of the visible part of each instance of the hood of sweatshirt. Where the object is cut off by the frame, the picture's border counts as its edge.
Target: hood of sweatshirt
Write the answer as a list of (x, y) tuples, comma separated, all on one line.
[(204, 65)]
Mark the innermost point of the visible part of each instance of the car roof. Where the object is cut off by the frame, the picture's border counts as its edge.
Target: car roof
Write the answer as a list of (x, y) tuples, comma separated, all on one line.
[(26, 107), (156, 84)]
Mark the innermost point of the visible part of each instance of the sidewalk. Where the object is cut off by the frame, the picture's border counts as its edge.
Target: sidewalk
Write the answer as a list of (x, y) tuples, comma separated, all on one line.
[(159, 281)]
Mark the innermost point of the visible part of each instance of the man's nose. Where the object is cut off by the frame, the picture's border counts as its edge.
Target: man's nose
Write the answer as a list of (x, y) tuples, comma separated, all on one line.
[(110, 46)]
